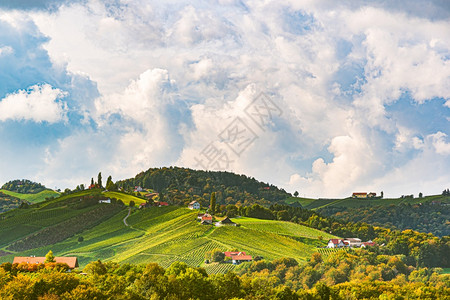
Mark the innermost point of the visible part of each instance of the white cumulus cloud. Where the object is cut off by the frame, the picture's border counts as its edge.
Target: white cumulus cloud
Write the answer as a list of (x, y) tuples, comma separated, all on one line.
[(39, 103)]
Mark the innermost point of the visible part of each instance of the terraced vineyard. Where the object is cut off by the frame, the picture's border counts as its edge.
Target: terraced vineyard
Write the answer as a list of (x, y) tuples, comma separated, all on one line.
[(283, 228), (327, 251), (216, 268), (156, 234)]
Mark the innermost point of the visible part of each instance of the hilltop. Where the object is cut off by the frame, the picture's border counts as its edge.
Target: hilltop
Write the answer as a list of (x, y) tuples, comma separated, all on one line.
[(23, 186), (15, 192), (182, 185)]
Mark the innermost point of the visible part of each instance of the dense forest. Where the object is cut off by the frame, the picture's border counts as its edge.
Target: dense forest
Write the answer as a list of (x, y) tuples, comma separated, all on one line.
[(359, 274), (433, 217), (181, 185), (24, 186)]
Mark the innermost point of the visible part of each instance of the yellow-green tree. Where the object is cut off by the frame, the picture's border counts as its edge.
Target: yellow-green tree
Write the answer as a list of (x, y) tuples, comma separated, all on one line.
[(49, 257)]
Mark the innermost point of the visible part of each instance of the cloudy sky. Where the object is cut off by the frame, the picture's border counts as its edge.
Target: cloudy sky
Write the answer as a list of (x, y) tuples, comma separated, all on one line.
[(322, 97)]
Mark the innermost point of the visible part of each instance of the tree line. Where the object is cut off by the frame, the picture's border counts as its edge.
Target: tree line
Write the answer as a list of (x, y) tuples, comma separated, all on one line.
[(343, 275)]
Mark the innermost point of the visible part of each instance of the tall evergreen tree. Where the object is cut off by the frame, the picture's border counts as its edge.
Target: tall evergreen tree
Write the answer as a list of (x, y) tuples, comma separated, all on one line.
[(213, 202), (110, 186), (99, 180)]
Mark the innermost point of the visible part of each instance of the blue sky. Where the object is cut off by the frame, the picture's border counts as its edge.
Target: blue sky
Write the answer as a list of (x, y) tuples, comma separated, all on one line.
[(320, 97)]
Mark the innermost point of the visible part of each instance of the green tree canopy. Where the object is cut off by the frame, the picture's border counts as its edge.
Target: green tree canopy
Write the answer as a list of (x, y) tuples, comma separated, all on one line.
[(49, 257)]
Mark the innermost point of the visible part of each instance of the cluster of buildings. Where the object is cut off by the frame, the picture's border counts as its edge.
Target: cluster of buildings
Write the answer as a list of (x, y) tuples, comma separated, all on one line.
[(207, 219), (349, 243)]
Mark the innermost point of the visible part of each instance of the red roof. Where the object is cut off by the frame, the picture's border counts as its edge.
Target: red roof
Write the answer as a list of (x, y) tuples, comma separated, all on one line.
[(335, 241), (205, 218), (72, 262), (368, 243), (233, 253), (163, 203), (362, 194), (242, 257)]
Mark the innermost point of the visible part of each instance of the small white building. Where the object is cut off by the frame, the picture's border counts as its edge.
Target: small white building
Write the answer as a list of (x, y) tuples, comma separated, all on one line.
[(108, 201), (353, 242), (335, 243), (194, 205)]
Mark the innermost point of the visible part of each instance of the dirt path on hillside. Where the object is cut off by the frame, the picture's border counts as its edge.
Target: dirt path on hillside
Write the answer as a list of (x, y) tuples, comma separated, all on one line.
[(125, 219)]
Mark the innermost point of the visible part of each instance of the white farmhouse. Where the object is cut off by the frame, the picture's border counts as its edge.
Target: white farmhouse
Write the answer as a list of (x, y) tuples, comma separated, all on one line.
[(353, 242), (335, 243), (194, 205)]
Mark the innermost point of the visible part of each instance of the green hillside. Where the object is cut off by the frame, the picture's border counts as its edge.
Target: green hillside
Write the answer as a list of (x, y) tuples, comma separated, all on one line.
[(92, 231), (126, 198), (429, 214), (356, 203), (32, 198)]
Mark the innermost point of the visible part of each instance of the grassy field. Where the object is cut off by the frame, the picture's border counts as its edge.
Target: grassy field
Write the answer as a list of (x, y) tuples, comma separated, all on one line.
[(126, 198), (156, 234), (33, 198)]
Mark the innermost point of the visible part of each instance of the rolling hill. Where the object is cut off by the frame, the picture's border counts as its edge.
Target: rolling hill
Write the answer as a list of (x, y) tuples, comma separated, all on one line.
[(71, 225), (181, 185), (314, 204), (429, 214), (32, 198), (14, 192)]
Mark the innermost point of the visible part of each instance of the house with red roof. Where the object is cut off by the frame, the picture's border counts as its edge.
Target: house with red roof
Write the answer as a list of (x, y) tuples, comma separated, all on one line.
[(230, 254), (237, 259), (72, 262), (336, 243), (207, 220)]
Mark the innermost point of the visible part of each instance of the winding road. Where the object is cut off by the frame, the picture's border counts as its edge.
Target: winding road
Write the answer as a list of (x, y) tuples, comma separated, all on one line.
[(125, 219)]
